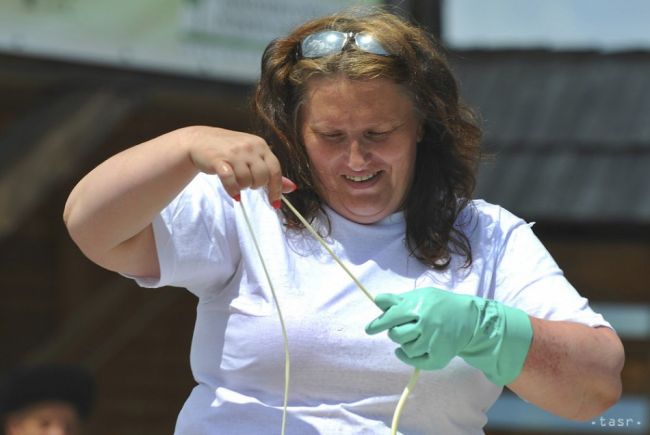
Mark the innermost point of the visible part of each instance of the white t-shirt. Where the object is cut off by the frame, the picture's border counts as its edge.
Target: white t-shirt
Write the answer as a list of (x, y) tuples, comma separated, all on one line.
[(342, 381)]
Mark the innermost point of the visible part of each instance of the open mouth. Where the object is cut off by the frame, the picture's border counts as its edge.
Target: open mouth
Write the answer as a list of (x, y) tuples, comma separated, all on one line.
[(361, 178)]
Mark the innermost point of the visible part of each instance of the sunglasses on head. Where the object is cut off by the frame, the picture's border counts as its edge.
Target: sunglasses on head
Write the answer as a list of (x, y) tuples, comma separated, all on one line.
[(328, 42)]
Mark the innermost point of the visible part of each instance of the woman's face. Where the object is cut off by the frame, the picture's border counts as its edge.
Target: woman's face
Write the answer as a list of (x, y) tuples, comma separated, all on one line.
[(361, 137)]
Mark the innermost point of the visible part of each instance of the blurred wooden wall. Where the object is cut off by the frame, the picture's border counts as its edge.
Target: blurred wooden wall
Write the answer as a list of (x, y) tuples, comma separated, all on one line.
[(59, 120)]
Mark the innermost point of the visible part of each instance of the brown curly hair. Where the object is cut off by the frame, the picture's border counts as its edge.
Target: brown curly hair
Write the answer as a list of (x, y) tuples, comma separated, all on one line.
[(447, 155)]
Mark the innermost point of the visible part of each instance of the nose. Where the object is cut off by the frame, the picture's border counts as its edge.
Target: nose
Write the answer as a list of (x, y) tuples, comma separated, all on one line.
[(60, 428), (57, 430), (358, 155)]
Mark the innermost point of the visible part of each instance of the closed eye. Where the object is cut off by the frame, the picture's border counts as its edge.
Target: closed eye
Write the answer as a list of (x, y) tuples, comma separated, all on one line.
[(332, 137), (378, 135)]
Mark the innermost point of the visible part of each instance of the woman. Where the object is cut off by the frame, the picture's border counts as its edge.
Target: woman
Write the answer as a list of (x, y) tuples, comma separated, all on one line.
[(362, 113)]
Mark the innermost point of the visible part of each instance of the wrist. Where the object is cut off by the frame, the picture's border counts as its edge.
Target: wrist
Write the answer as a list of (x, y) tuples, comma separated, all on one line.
[(183, 150), (515, 344), (501, 342)]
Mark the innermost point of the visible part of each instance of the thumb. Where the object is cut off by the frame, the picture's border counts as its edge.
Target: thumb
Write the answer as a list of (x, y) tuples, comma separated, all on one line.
[(386, 300)]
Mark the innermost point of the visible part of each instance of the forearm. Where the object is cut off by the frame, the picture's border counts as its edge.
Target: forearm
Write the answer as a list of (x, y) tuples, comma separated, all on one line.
[(571, 370), (119, 198)]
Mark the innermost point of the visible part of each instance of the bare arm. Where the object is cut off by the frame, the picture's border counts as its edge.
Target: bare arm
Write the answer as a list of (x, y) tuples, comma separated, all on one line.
[(110, 211), (571, 370)]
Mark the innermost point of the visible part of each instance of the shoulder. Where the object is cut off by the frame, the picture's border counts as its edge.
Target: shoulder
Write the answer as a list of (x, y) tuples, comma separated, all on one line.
[(480, 214), (484, 223)]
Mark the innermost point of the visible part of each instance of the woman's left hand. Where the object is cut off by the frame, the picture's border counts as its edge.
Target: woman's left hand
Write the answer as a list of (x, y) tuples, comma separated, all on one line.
[(432, 326)]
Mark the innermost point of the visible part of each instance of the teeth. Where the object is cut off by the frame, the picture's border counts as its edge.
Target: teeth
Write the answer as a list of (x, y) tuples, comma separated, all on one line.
[(360, 178)]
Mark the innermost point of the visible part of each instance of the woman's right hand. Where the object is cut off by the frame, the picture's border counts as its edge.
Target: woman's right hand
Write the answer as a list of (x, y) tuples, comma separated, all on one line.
[(110, 211), (240, 160)]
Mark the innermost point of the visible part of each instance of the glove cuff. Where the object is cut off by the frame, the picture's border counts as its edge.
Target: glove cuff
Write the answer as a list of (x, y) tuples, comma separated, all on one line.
[(517, 337), (501, 342)]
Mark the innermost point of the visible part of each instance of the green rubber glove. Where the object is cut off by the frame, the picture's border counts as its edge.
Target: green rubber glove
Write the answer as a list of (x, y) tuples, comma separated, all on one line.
[(432, 326)]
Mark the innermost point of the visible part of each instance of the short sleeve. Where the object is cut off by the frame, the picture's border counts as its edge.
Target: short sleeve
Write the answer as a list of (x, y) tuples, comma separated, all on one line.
[(196, 239), (527, 277)]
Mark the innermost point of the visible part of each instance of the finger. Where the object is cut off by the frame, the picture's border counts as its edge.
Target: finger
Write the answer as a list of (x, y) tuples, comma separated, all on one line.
[(389, 319), (415, 348), (227, 176), (259, 173), (402, 334), (420, 362), (274, 181), (424, 362), (414, 362), (243, 175), (288, 186), (431, 340), (386, 300)]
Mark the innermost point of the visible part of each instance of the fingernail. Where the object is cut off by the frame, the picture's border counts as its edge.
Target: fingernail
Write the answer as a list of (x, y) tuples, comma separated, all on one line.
[(237, 197), (276, 204), (292, 186)]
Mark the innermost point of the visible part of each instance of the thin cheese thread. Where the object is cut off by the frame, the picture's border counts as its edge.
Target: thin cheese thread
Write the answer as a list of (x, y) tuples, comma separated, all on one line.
[(416, 373), (287, 360), (287, 364)]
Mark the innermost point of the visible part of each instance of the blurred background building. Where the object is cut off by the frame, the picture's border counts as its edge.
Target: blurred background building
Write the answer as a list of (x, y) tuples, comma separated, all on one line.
[(562, 87)]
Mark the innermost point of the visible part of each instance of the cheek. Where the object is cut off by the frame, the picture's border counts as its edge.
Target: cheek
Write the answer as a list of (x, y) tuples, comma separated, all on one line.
[(320, 157), (404, 166), (318, 168)]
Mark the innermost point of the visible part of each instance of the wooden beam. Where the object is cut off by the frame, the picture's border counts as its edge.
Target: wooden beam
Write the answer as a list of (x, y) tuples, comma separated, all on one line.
[(45, 149)]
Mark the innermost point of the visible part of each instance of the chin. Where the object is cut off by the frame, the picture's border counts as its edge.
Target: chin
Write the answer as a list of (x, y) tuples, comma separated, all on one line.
[(364, 216), (368, 210)]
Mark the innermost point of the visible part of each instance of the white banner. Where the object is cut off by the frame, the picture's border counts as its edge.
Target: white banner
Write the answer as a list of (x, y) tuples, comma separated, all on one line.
[(220, 39)]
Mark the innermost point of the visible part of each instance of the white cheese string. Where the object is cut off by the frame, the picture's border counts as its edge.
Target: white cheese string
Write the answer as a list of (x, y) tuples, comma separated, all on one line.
[(287, 363), (414, 376)]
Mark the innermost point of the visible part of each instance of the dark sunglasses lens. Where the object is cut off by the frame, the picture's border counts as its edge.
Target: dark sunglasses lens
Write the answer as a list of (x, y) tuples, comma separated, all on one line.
[(322, 43)]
